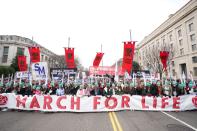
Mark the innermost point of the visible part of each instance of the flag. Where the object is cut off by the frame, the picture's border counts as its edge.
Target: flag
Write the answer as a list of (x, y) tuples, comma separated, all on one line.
[(97, 59), (164, 57), (22, 65), (34, 54), (69, 57), (128, 55)]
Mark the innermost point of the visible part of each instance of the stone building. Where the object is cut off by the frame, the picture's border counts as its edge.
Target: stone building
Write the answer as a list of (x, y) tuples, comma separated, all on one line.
[(178, 35), (10, 45)]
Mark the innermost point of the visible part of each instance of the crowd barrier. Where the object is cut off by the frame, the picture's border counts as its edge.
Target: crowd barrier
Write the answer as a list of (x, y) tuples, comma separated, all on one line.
[(68, 103)]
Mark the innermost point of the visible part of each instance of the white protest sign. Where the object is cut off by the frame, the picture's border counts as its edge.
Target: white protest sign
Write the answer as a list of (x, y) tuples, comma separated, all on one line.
[(23, 74), (39, 71)]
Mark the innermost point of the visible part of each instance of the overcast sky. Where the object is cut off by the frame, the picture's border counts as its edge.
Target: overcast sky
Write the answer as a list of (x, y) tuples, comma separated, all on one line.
[(88, 23)]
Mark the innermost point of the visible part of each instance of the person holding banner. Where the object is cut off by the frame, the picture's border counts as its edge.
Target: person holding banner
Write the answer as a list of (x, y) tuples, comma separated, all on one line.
[(60, 91), (153, 89), (167, 90)]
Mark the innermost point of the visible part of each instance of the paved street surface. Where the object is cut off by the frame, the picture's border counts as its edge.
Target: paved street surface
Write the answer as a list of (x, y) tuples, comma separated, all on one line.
[(118, 121)]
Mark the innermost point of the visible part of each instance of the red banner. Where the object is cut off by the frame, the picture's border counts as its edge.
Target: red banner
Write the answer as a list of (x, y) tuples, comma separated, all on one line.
[(34, 54), (22, 65), (164, 57), (69, 57), (97, 59), (128, 54)]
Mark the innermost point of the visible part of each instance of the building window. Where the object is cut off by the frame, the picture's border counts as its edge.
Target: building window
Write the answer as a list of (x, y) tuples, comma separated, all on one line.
[(46, 58), (5, 54), (164, 41), (170, 38), (20, 51), (179, 33), (172, 54), (181, 42), (192, 38), (42, 57), (191, 27), (194, 59), (181, 51), (195, 71), (17, 38), (194, 48), (173, 72), (171, 45), (172, 63)]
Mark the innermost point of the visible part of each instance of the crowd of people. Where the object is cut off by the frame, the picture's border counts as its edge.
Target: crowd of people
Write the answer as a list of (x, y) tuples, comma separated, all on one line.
[(104, 87)]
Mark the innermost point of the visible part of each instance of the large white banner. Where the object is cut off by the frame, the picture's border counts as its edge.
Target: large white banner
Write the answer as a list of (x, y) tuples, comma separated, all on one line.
[(39, 71), (53, 103)]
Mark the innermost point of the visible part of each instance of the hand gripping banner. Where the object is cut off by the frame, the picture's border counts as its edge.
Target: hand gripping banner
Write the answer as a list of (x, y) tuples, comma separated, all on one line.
[(128, 54), (34, 54), (98, 59), (164, 57), (69, 57), (22, 64)]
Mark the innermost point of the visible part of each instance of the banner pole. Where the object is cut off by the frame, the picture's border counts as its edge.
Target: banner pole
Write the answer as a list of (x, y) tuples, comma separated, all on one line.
[(68, 42), (130, 35)]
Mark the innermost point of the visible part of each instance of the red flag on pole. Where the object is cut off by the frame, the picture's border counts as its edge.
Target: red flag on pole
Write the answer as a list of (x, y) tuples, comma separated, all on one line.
[(34, 54), (22, 64), (69, 57), (98, 59), (164, 57), (128, 54)]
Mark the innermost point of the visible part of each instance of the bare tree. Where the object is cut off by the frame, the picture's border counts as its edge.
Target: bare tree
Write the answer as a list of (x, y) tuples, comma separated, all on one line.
[(152, 57)]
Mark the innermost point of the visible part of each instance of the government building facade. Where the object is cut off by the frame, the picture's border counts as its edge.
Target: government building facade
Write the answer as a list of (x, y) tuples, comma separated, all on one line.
[(178, 35), (10, 45)]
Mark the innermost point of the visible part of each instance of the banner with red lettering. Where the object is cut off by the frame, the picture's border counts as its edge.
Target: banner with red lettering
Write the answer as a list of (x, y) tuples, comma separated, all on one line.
[(69, 57), (128, 55), (53, 103), (22, 64), (97, 59), (164, 57), (103, 70), (34, 54)]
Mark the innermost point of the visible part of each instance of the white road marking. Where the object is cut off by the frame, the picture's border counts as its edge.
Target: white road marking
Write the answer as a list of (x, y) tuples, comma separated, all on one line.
[(180, 121)]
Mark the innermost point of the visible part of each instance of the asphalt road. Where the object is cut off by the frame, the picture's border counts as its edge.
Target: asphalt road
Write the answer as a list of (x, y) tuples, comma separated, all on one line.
[(106, 121)]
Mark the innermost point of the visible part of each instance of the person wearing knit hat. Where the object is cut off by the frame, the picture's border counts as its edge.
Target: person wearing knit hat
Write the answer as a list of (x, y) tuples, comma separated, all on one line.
[(80, 91), (167, 90), (181, 86), (159, 88), (1, 88), (148, 88), (132, 86), (174, 88), (153, 89), (191, 85), (187, 88), (141, 89), (38, 91), (60, 91)]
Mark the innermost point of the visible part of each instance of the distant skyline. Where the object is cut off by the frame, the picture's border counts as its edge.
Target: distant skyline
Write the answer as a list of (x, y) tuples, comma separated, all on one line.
[(88, 23)]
